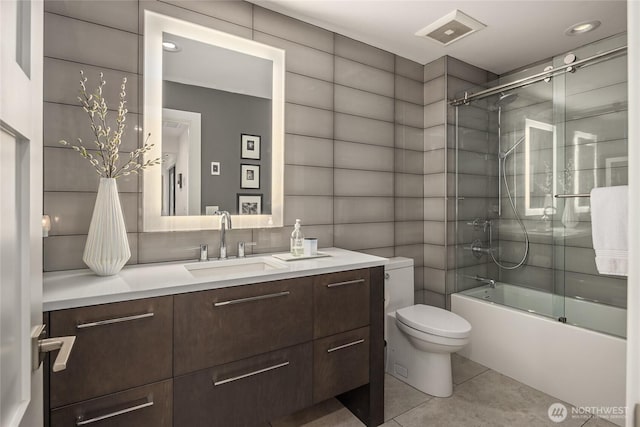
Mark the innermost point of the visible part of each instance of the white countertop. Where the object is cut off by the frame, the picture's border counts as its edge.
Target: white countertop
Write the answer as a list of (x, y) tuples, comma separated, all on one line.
[(79, 288)]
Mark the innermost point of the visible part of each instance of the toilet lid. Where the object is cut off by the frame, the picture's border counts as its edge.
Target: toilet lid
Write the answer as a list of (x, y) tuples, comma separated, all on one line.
[(434, 320)]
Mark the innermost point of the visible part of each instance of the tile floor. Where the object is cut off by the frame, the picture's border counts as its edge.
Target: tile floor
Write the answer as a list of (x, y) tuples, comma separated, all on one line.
[(481, 398)]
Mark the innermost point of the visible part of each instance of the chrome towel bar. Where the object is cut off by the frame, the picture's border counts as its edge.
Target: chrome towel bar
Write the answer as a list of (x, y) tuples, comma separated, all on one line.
[(568, 196)]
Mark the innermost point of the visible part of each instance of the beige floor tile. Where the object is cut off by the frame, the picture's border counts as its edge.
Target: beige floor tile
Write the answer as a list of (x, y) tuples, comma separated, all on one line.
[(329, 413), (400, 397), (464, 369), (390, 423), (490, 400)]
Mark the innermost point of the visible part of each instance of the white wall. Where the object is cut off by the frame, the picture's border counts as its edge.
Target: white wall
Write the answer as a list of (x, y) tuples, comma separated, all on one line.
[(633, 296)]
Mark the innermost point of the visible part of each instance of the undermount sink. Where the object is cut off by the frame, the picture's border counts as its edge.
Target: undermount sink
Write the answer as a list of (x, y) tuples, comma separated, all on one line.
[(234, 267)]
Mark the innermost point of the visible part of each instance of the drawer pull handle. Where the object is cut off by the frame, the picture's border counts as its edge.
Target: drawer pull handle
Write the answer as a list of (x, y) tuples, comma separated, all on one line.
[(250, 374), (249, 299), (116, 320), (340, 347), (81, 422), (348, 282)]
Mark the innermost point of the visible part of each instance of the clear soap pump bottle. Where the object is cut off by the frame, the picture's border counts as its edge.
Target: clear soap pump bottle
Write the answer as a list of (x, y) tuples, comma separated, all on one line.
[(297, 240)]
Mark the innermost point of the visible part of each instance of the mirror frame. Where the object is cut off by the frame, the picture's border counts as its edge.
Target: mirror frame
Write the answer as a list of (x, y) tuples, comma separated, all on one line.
[(154, 25)]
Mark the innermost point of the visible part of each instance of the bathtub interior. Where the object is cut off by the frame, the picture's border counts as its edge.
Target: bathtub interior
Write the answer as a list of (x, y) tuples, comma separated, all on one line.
[(591, 315)]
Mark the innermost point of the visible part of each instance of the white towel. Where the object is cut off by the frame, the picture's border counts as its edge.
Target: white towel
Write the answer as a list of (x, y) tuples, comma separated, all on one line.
[(609, 228)]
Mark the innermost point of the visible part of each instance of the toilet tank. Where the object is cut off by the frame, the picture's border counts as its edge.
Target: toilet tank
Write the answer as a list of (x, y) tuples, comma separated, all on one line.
[(398, 283)]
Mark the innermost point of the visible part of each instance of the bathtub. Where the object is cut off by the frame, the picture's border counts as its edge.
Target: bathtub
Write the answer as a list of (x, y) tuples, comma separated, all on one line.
[(516, 332)]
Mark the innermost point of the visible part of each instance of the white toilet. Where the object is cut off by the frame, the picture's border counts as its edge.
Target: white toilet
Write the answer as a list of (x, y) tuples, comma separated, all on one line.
[(420, 338)]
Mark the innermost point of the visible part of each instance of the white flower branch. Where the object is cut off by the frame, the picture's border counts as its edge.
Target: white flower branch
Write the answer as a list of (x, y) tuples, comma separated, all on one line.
[(107, 142)]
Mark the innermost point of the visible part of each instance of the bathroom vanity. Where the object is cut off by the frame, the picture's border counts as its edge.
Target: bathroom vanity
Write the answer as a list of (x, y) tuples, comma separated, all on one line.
[(217, 344)]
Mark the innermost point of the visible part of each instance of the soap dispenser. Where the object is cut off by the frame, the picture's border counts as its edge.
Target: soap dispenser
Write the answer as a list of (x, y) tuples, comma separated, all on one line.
[(297, 239)]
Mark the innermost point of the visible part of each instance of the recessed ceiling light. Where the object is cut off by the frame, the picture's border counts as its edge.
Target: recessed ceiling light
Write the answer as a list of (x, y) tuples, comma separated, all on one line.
[(170, 46), (582, 27)]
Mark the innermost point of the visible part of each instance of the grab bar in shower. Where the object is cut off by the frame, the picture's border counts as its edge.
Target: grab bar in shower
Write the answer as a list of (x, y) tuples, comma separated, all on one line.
[(568, 196)]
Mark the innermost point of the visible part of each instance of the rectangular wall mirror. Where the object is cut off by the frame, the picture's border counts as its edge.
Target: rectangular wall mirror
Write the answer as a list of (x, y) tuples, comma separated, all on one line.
[(214, 106)]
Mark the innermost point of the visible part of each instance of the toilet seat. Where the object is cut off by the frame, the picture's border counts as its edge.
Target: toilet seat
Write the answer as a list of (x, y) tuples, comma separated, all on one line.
[(434, 320)]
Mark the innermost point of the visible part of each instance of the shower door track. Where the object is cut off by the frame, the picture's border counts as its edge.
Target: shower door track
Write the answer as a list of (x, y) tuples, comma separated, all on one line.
[(538, 77)]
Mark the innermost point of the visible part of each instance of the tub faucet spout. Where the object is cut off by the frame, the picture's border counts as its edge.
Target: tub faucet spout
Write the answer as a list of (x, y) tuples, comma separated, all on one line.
[(485, 281)]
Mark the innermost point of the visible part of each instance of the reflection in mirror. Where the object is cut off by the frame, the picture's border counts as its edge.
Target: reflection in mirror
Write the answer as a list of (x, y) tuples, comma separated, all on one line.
[(582, 168), (214, 105), (540, 165), (209, 111)]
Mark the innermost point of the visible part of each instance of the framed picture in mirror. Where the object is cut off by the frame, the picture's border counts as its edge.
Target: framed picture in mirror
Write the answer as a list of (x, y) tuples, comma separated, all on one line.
[(249, 204), (249, 176), (250, 147)]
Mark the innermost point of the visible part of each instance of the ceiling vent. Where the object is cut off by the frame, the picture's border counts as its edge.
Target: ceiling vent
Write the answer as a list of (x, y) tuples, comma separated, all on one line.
[(171, 124), (450, 28)]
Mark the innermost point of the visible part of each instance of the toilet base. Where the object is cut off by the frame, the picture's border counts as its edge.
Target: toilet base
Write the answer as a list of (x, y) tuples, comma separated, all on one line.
[(426, 371)]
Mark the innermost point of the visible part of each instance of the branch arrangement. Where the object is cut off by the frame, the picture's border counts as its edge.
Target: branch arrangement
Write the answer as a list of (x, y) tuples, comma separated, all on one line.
[(106, 160)]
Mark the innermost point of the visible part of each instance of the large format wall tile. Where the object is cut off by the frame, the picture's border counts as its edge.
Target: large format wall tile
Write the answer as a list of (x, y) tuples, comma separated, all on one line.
[(361, 129), (308, 151), (353, 155), (410, 69), (364, 236), (183, 13), (361, 103), (314, 209), (308, 91), (363, 183), (238, 12), (301, 59), (65, 252), (301, 120), (282, 26), (308, 181), (80, 41), (62, 82), (409, 138), (361, 52), (363, 209), (123, 17), (359, 76), (71, 212), (409, 161)]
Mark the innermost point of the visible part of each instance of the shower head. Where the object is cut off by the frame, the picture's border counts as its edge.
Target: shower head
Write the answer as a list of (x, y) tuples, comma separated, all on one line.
[(505, 99)]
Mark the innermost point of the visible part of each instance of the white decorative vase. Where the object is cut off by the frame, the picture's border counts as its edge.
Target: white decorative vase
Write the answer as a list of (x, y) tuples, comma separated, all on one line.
[(107, 249), (569, 215)]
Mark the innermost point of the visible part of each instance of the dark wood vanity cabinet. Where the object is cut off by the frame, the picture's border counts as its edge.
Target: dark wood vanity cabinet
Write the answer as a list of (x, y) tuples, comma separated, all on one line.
[(149, 405), (120, 370), (235, 356), (248, 320), (247, 392)]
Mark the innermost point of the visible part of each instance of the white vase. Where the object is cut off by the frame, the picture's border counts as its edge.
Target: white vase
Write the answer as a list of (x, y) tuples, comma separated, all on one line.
[(569, 215), (107, 249)]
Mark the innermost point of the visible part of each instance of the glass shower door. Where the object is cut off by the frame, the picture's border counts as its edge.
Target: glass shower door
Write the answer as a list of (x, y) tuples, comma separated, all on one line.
[(594, 154)]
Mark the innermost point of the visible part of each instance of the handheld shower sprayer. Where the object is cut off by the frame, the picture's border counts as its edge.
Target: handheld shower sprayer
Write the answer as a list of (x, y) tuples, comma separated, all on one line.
[(505, 154)]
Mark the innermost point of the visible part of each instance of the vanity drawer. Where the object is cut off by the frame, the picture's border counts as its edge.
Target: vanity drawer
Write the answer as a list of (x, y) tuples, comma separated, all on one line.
[(340, 363), (118, 346), (250, 392), (341, 302), (223, 325), (146, 406)]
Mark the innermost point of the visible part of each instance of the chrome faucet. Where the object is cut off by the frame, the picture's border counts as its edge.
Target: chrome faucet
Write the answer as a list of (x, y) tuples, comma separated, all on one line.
[(225, 222), (485, 281)]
